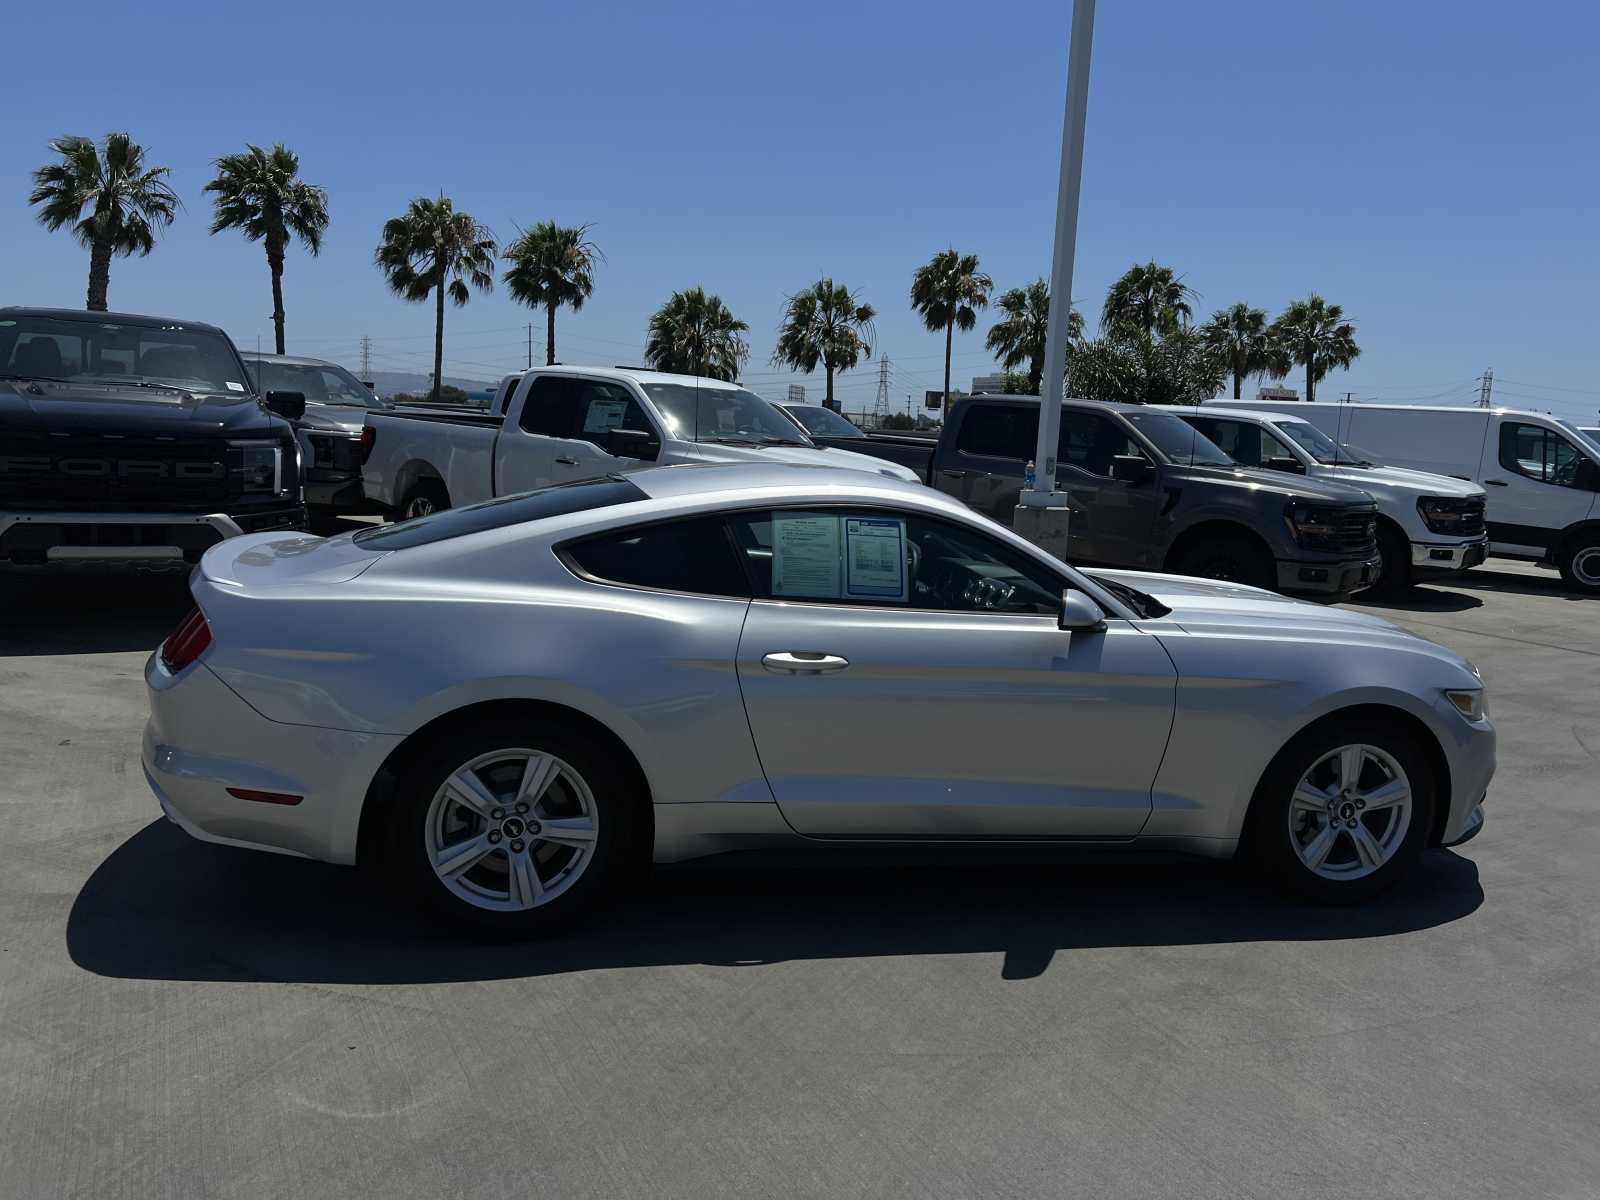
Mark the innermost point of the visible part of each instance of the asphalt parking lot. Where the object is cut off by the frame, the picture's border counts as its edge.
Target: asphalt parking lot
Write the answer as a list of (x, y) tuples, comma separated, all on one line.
[(178, 1019)]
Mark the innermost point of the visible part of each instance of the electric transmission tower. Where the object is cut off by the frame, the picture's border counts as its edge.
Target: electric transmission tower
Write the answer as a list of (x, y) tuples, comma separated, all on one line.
[(366, 357), (1487, 388), (880, 406)]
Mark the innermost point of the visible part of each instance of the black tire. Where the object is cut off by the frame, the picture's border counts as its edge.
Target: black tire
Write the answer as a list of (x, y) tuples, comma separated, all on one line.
[(1394, 572), (617, 822), (1580, 564), (1229, 557), (423, 498), (1271, 838)]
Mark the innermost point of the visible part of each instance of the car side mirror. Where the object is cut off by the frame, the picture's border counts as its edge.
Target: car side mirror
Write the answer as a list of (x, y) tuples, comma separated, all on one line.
[(291, 406), (1079, 613), (1131, 468), (633, 443)]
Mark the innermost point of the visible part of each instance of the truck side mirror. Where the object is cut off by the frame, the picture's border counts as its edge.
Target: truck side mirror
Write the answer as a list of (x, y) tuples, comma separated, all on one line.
[(1131, 468), (633, 443), (1079, 614), (291, 406), (1587, 476)]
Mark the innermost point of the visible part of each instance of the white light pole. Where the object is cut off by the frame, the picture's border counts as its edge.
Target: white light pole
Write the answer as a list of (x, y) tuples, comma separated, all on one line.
[(1043, 494)]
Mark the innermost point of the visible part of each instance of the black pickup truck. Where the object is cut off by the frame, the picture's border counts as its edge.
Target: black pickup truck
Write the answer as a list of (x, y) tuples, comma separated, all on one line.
[(1145, 490), (135, 443)]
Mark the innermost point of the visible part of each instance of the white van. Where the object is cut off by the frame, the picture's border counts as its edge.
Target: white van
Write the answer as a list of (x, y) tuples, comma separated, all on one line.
[(1542, 476), (1428, 525)]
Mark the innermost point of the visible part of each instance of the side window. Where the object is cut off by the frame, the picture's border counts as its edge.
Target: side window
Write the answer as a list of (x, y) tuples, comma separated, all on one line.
[(1539, 454), (999, 431), (889, 559), (602, 407), (1090, 441), (1238, 441), (676, 556), (551, 406)]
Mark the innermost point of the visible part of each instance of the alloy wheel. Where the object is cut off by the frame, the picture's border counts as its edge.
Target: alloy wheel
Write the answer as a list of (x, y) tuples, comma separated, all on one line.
[(1349, 814), (511, 830), (1586, 566), (419, 506)]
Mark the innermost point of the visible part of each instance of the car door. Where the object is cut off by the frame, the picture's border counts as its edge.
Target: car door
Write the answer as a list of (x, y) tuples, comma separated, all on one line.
[(1111, 519), (1534, 485), (904, 677), (561, 433)]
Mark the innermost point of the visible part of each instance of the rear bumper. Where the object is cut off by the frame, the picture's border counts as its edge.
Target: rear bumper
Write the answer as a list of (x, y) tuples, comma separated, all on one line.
[(156, 542), (202, 739), (1314, 578), (1441, 558)]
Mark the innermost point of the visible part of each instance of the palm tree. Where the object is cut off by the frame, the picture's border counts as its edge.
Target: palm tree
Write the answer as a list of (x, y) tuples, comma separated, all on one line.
[(825, 324), (1180, 368), (126, 202), (1242, 336), (551, 265), (1148, 299), (947, 291), (1315, 334), (433, 248), (260, 194), (696, 334), (1020, 336)]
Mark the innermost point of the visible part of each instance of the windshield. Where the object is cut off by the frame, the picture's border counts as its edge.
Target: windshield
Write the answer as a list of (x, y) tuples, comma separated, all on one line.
[(89, 350), (1178, 440), (823, 422), (321, 383), (1322, 447), (731, 416)]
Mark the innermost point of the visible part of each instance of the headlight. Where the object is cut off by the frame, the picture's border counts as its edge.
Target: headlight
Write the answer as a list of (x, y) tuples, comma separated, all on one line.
[(1443, 514), (258, 467), (1312, 526), (1471, 703)]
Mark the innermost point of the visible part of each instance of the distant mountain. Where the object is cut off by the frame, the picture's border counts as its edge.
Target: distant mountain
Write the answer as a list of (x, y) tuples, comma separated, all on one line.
[(414, 384)]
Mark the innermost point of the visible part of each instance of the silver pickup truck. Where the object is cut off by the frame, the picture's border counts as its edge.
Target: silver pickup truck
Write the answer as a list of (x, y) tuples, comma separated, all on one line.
[(559, 424)]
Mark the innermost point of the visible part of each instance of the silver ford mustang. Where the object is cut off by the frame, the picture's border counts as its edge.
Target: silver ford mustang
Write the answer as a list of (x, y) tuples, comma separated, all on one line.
[(516, 702)]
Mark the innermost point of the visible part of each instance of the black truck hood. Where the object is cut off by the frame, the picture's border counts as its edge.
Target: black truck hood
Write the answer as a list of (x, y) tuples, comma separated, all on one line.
[(41, 407), (1288, 486)]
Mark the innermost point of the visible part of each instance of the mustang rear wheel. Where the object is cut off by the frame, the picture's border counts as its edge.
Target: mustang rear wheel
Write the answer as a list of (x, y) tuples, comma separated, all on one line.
[(1343, 811), (517, 828)]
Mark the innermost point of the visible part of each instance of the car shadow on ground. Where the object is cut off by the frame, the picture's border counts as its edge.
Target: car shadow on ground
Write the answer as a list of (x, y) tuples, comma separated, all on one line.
[(1545, 583), (89, 615), (163, 906), (1418, 599)]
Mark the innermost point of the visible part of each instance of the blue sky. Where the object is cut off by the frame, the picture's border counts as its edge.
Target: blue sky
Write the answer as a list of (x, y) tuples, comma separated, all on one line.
[(1431, 166)]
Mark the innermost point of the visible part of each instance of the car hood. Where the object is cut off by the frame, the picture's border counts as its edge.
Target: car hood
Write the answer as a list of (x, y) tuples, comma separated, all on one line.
[(1317, 490), (807, 456), (117, 408), (1402, 481)]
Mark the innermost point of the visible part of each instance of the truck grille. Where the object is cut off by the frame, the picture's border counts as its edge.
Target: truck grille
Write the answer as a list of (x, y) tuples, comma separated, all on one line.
[(110, 473), (1358, 531), (1459, 518)]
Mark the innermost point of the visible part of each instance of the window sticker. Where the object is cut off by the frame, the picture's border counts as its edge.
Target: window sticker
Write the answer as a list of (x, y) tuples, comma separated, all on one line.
[(235, 387), (805, 556), (604, 415), (875, 558)]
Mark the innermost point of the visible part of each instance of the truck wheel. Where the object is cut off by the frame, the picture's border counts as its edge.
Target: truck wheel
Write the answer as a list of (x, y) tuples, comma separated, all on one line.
[(426, 496), (1394, 567), (1231, 558), (1580, 564)]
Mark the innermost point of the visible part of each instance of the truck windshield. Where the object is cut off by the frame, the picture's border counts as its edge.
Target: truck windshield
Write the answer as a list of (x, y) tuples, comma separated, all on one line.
[(731, 416), (823, 422), (321, 383), (1178, 440), (90, 349), (1322, 447)]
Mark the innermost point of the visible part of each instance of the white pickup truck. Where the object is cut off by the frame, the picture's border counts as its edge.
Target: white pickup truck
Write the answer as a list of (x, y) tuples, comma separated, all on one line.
[(557, 424)]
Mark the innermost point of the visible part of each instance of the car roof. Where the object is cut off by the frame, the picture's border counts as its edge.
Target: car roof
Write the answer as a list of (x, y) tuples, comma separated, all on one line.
[(640, 375), (292, 360), (1074, 401), (1217, 410), (712, 479), (107, 318)]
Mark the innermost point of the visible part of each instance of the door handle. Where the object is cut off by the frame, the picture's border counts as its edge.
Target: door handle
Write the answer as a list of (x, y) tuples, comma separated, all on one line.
[(1495, 482), (954, 474), (567, 462), (803, 662)]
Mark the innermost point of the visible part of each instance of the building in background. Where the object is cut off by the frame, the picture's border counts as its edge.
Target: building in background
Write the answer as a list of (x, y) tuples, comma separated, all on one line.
[(993, 384), (1277, 393), (797, 393)]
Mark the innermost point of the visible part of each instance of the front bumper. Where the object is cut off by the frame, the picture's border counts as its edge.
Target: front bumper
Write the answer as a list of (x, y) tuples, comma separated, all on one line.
[(1323, 578), (145, 543), (1469, 749), (202, 738), (1447, 557)]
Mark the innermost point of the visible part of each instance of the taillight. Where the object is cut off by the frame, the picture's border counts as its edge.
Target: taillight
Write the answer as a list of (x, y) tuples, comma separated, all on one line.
[(186, 643), (369, 438)]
